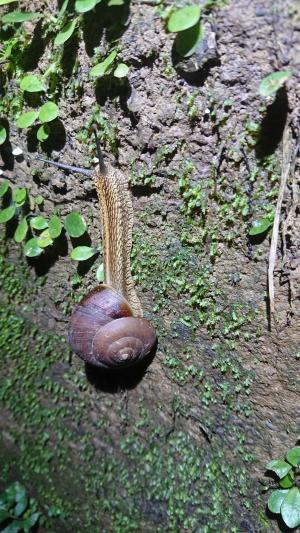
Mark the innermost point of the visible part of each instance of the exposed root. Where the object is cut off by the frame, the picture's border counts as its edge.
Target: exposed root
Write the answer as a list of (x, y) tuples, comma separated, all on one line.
[(289, 156)]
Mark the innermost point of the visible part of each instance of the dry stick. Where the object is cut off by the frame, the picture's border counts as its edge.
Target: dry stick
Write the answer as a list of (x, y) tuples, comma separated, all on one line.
[(286, 165)]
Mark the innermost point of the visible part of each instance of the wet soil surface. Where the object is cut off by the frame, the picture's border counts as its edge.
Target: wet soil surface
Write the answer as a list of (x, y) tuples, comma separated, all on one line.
[(163, 118)]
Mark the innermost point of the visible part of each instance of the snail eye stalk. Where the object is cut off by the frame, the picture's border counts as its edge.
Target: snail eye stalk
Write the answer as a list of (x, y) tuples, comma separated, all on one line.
[(99, 151)]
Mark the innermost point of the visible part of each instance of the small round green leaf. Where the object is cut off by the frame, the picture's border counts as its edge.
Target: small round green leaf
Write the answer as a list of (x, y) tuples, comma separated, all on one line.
[(121, 71), (7, 214), (19, 16), (270, 84), (99, 70), (184, 18), (290, 508), (287, 481), (115, 3), (21, 506), (32, 84), (21, 230), (43, 132), (82, 6), (29, 522), (281, 468), (4, 188), (75, 225), (39, 200), (293, 456), (260, 226), (276, 499), (38, 223), (55, 227), (65, 33), (19, 195), (20, 492), (186, 41), (82, 253), (44, 239), (27, 119), (3, 134), (32, 249), (3, 2), (48, 112), (100, 273)]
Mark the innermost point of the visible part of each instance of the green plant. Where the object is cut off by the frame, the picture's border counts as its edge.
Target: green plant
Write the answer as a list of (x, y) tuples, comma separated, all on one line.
[(186, 23), (285, 500), (261, 225), (106, 67), (18, 512), (107, 132), (3, 2), (68, 27), (47, 113), (82, 253), (3, 134), (75, 225), (15, 17), (271, 83), (33, 230)]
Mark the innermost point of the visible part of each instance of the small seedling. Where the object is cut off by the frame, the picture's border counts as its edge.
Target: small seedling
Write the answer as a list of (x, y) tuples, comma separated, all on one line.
[(104, 67), (100, 273), (121, 71), (75, 225), (82, 253), (285, 500), (18, 512), (31, 84), (187, 24), (40, 232), (271, 83), (83, 6), (15, 17), (47, 113), (3, 134), (66, 32), (261, 226), (55, 227)]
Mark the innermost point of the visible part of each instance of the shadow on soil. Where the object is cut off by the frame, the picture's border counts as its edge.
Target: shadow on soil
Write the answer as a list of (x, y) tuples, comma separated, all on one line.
[(272, 126)]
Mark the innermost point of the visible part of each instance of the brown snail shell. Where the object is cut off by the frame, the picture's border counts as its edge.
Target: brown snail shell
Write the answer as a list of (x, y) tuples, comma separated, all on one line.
[(104, 333)]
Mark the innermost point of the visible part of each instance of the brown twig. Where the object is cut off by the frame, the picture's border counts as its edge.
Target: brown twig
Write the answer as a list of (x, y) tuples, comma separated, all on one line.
[(287, 158)]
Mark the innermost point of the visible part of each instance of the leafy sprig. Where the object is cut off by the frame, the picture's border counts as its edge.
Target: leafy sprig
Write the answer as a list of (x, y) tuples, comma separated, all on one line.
[(285, 500)]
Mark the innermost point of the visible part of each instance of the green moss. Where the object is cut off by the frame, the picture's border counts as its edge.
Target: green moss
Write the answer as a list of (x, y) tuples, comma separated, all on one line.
[(155, 481), (145, 175), (107, 132), (157, 478)]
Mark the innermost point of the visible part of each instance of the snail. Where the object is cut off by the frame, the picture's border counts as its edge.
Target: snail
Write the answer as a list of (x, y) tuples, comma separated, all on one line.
[(107, 328)]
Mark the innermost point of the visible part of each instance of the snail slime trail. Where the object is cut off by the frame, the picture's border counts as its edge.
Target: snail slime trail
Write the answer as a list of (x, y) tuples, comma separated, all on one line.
[(107, 329)]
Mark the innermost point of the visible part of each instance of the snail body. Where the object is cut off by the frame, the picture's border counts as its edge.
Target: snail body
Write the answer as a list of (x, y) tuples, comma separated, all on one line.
[(107, 329)]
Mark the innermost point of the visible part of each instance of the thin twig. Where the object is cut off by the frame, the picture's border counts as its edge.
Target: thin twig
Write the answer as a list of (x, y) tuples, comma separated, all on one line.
[(286, 165)]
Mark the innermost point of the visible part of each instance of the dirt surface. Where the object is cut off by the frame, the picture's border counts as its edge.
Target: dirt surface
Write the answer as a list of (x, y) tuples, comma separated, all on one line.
[(200, 279)]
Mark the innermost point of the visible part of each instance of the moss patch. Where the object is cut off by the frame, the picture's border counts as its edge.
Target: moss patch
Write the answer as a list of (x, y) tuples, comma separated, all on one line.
[(151, 477)]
